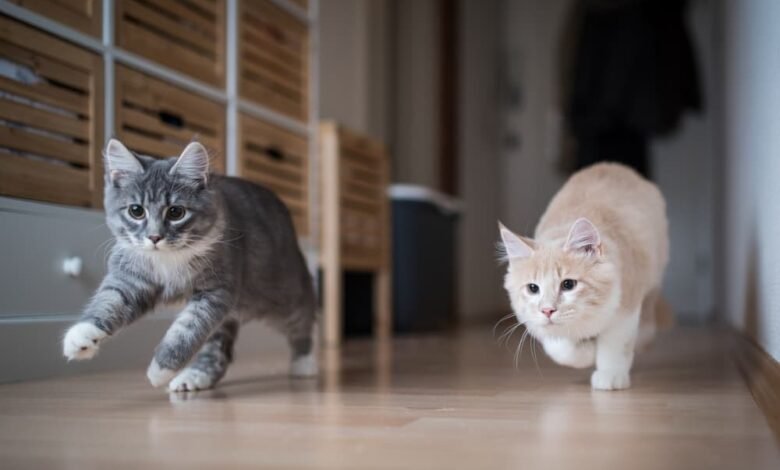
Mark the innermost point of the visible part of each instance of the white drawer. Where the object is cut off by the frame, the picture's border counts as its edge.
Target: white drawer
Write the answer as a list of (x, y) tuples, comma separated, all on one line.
[(35, 240)]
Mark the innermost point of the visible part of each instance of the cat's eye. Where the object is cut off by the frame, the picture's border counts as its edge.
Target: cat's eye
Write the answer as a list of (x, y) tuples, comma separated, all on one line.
[(568, 284), (136, 211), (176, 213), (533, 288)]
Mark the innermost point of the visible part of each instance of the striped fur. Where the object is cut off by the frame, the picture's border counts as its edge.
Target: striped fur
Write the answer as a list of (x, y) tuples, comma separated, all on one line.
[(233, 257)]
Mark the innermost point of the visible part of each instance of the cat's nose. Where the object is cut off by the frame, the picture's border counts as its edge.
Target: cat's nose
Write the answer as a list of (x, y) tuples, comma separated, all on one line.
[(548, 311), (155, 238)]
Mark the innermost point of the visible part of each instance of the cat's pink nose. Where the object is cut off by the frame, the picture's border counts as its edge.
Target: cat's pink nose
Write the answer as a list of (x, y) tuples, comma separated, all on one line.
[(155, 238), (548, 311)]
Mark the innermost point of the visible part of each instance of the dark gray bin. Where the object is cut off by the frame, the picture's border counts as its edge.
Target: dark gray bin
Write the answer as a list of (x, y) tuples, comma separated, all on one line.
[(424, 259)]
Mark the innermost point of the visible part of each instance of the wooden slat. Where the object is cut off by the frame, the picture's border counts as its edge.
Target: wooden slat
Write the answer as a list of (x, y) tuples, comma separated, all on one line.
[(209, 6), (148, 146), (18, 139), (183, 36), (51, 69), (361, 145), (261, 39), (274, 59), (358, 200), (287, 177), (187, 14), (256, 58), (83, 15), (157, 95), (23, 177), (67, 102), (259, 133), (48, 94), (170, 54), (292, 174), (16, 33), (176, 44), (290, 186), (283, 86), (144, 132), (267, 97), (139, 120), (40, 119), (82, 7), (363, 187), (266, 12)]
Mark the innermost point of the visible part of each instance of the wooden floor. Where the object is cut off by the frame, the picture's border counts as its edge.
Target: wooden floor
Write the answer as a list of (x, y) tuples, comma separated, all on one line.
[(426, 402)]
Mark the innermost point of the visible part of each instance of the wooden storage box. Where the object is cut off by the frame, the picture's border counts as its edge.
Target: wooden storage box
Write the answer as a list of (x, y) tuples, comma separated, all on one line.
[(188, 37), (301, 3), (277, 159), (274, 59), (159, 119), (51, 118), (85, 16), (355, 221)]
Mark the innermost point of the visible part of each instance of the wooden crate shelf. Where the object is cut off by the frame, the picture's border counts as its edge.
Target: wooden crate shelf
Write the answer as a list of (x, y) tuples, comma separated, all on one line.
[(355, 172), (278, 160), (51, 118), (85, 16), (159, 119), (185, 35), (274, 59)]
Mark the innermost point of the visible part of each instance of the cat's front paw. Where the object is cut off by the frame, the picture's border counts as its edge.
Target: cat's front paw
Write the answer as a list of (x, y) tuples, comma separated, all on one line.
[(190, 380), (82, 341), (158, 375), (610, 380)]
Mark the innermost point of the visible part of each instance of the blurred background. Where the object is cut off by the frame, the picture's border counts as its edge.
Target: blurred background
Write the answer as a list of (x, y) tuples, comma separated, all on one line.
[(441, 117), (487, 101)]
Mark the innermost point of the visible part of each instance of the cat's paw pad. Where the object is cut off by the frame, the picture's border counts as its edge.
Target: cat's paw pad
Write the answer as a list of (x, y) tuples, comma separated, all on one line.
[(82, 341), (304, 366), (190, 380), (610, 380), (157, 375)]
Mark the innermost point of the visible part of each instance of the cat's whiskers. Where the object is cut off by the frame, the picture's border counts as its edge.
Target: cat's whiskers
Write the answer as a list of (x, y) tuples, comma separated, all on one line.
[(504, 318), (519, 349), (533, 354), (508, 334)]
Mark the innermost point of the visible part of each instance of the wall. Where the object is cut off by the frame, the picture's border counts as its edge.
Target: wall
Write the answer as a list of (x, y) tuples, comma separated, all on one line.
[(683, 163), (416, 93), (355, 57), (479, 277), (684, 166), (750, 289)]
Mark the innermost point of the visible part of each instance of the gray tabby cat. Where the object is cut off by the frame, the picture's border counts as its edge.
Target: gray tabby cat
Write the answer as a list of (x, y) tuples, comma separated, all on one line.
[(226, 246)]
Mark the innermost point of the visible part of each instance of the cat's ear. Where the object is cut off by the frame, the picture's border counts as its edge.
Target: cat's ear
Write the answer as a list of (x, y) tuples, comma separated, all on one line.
[(120, 162), (583, 237), (193, 163), (515, 247)]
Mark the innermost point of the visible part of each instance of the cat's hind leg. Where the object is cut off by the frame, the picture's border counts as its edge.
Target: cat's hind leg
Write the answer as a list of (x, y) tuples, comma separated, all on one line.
[(299, 328), (211, 362)]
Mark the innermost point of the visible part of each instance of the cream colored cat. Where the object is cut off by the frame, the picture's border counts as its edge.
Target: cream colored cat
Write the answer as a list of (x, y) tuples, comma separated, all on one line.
[(587, 286)]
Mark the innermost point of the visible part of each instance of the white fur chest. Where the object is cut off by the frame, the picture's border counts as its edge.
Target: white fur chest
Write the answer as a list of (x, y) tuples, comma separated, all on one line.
[(175, 271)]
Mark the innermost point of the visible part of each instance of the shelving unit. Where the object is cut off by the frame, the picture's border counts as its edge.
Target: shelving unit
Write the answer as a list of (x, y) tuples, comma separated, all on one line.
[(186, 55)]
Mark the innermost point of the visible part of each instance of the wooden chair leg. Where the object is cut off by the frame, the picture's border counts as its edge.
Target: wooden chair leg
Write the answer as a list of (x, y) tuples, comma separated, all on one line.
[(383, 311), (332, 305)]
